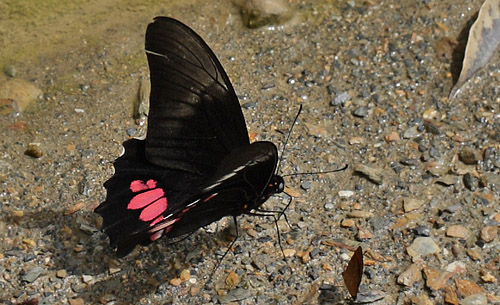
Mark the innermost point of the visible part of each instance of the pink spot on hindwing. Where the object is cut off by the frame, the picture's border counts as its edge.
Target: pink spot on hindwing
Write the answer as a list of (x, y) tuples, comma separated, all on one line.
[(151, 183), (143, 199), (139, 185), (152, 201), (154, 210), (156, 235), (160, 229), (157, 220)]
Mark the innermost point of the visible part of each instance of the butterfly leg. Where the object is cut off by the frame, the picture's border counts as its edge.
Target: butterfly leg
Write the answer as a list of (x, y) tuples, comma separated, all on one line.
[(271, 214), (227, 251), (281, 213)]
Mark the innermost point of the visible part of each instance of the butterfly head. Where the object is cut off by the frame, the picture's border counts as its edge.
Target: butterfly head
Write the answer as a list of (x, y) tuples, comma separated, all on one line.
[(276, 185)]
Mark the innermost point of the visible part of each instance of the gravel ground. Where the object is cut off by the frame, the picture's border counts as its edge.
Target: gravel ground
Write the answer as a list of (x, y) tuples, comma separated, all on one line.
[(421, 195)]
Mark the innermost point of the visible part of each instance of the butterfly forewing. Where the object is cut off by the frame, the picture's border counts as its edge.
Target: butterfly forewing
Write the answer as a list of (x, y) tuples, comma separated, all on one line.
[(195, 118)]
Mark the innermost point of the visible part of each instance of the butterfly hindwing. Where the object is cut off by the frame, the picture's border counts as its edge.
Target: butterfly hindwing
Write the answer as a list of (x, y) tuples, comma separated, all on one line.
[(136, 193)]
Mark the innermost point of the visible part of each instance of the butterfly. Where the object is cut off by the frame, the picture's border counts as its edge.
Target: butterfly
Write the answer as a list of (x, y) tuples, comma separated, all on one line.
[(196, 164)]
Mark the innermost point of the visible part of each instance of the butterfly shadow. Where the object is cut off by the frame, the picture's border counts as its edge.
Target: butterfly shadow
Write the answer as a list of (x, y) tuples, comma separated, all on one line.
[(83, 251)]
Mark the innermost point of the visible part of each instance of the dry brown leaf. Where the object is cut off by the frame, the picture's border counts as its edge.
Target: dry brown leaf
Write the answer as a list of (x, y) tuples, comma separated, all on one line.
[(354, 272), (484, 38)]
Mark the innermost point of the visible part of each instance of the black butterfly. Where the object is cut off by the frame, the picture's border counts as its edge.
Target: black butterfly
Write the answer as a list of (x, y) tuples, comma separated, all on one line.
[(197, 164)]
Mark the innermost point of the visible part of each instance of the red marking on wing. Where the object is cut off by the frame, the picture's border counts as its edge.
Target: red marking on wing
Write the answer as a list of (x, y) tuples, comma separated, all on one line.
[(157, 220), (151, 183), (166, 224), (139, 185), (210, 197), (156, 235), (155, 209), (143, 199)]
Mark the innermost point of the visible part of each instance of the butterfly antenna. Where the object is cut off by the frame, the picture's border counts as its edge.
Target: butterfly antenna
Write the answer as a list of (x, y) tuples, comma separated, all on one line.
[(287, 137)]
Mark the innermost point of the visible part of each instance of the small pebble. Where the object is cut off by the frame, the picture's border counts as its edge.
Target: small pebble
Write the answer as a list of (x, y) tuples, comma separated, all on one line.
[(434, 152), (77, 301), (411, 204), (33, 274), (370, 296), (356, 140), (131, 131), (458, 231), (340, 99), (475, 299), (87, 278), (457, 267), (374, 174), (185, 275), (474, 254), (314, 252), (345, 194), (411, 133), (392, 136), (469, 181), (361, 112), (487, 277), (257, 13), (249, 105), (232, 279), (175, 282), (74, 208), (468, 156), (411, 275), (488, 179), (329, 206), (61, 273), (236, 295), (30, 243), (436, 279), (489, 233), (10, 71), (448, 180), (360, 214), (364, 233), (453, 208), (268, 86), (422, 246), (305, 185), (347, 223), (34, 150), (422, 231)]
